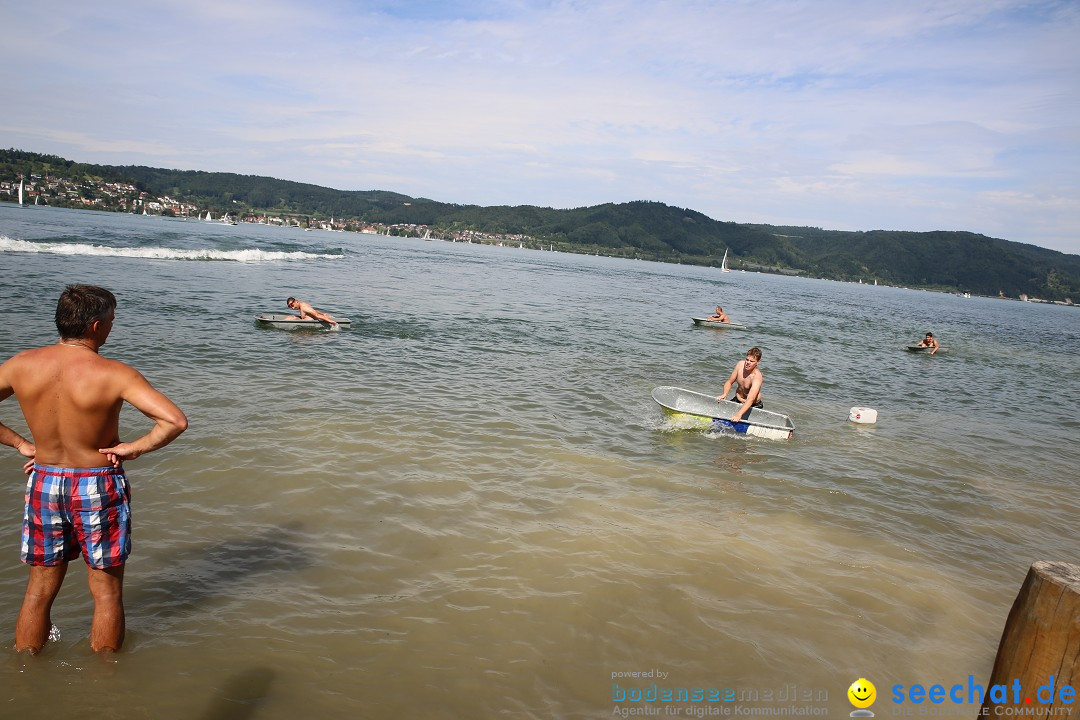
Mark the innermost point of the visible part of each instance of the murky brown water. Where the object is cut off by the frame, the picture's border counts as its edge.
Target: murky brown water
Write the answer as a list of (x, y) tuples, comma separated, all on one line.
[(468, 505)]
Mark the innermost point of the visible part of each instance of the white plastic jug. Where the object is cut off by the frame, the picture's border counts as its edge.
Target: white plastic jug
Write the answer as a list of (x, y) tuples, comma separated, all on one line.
[(863, 415)]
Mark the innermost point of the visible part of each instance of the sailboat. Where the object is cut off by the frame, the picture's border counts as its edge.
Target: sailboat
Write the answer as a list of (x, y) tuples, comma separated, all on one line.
[(20, 190), (723, 263)]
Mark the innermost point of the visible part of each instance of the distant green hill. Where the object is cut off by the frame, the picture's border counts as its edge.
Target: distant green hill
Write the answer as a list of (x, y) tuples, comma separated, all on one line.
[(958, 261)]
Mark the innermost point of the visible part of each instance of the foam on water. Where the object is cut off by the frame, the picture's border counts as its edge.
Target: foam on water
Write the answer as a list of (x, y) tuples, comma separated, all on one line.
[(249, 255)]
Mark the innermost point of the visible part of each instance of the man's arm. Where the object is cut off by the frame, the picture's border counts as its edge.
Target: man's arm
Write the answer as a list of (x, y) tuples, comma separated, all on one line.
[(751, 398), (169, 420), (727, 385), (13, 439), (7, 435)]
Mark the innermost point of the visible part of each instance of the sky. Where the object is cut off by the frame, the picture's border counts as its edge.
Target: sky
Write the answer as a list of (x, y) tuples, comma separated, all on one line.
[(841, 114)]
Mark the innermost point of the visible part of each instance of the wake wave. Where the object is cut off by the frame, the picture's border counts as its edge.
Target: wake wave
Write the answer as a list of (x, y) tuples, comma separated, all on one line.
[(157, 253)]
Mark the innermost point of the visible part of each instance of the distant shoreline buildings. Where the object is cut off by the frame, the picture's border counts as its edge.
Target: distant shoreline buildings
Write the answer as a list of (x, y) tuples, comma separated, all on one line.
[(125, 197)]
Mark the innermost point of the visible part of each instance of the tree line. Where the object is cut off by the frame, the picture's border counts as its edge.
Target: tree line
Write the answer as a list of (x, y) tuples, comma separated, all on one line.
[(945, 260)]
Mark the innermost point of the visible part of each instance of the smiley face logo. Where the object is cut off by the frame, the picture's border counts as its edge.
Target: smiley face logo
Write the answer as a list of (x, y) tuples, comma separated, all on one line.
[(862, 693)]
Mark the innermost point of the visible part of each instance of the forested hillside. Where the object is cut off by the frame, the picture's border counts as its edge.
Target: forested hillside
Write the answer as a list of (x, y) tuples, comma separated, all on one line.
[(957, 261)]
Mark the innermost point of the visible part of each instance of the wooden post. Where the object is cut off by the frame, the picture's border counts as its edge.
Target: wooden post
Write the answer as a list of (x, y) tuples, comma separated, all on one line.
[(1039, 655)]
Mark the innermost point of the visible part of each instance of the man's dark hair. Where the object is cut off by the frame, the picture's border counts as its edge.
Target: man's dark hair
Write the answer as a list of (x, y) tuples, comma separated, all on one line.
[(79, 306)]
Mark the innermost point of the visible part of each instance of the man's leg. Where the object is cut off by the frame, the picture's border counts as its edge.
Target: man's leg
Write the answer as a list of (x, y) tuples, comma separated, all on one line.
[(107, 589), (32, 627)]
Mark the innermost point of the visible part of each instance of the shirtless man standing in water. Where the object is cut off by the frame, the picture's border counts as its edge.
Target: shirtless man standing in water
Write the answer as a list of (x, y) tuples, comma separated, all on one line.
[(77, 496), (747, 380)]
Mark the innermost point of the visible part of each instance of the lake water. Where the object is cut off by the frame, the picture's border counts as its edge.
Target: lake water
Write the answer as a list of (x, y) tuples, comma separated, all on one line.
[(469, 506)]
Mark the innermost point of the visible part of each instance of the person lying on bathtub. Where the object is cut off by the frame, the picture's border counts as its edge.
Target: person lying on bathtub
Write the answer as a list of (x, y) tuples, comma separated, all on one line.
[(307, 312)]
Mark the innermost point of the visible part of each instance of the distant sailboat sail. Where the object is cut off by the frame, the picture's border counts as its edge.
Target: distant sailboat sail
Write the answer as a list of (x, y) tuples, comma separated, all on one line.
[(723, 263), (20, 191)]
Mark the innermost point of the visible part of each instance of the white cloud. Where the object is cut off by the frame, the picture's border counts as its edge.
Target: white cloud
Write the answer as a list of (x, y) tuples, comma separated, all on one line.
[(833, 113)]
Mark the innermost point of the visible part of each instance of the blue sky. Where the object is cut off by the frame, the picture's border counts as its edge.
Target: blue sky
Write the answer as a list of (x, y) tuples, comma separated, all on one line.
[(841, 114)]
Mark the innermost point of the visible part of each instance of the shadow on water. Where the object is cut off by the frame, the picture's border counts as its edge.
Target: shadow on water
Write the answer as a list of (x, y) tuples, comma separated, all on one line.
[(241, 695), (199, 574)]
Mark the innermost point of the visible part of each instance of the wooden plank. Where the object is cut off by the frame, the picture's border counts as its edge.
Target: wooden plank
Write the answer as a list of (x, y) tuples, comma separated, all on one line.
[(1040, 646)]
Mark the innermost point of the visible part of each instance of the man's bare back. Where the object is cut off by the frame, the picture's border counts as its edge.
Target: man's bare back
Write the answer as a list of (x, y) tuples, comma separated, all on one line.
[(71, 398)]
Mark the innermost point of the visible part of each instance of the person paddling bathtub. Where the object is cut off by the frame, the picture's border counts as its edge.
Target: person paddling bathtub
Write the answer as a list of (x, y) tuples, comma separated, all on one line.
[(307, 312), (747, 380), (719, 316)]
